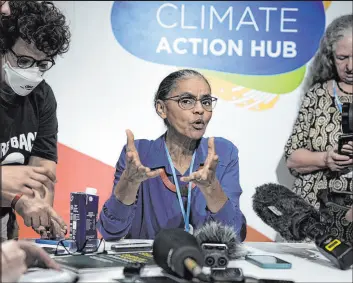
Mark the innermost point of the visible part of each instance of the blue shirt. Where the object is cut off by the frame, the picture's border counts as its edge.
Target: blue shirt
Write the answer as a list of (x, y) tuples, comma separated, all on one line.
[(157, 207)]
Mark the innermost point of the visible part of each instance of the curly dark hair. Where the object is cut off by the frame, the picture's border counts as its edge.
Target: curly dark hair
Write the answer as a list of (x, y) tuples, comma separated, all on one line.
[(38, 22)]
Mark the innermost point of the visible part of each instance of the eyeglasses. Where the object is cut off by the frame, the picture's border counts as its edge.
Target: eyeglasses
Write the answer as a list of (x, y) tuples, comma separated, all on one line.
[(188, 102), (25, 62), (79, 251)]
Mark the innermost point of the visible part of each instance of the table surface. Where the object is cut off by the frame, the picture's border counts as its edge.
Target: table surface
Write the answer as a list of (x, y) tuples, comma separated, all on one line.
[(308, 265)]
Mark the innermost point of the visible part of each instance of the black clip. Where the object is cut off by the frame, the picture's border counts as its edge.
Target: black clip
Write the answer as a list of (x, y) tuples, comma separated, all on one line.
[(133, 269)]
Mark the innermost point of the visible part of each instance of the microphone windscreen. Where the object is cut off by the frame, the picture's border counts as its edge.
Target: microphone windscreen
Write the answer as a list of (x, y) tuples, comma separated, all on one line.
[(276, 205), (217, 233)]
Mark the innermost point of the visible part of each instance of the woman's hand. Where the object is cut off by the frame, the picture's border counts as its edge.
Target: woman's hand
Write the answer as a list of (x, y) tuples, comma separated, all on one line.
[(205, 178), (348, 148), (337, 162), (135, 172)]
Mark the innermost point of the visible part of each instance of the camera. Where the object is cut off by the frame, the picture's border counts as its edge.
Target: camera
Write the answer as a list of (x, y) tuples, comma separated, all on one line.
[(347, 127), (215, 255)]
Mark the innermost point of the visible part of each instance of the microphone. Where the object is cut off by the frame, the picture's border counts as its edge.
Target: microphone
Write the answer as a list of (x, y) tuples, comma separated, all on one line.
[(178, 252), (294, 219), (219, 243)]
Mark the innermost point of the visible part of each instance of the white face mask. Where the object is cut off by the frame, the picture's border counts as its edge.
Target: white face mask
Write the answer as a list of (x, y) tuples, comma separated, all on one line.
[(22, 81)]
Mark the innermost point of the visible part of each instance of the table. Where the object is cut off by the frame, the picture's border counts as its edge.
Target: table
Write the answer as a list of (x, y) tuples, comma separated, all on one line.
[(308, 265)]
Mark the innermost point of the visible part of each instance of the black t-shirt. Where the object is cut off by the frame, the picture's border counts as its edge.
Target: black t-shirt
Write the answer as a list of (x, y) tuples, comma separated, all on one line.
[(28, 125)]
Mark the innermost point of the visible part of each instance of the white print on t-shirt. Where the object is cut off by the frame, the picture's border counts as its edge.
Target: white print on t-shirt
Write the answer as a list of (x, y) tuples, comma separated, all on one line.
[(23, 142), (14, 157)]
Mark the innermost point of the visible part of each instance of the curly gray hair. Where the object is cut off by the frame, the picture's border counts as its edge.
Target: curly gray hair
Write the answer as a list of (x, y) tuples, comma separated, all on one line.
[(323, 66)]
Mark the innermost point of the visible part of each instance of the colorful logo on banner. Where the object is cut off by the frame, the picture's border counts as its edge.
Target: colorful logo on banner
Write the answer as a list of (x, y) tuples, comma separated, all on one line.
[(252, 51)]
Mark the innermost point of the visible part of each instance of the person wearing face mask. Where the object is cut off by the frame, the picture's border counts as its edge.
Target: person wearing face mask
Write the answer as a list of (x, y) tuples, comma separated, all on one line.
[(181, 179), (31, 38), (323, 175)]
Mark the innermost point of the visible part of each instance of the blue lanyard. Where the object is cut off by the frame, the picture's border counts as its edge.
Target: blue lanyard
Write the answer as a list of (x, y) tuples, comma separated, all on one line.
[(187, 215), (338, 102)]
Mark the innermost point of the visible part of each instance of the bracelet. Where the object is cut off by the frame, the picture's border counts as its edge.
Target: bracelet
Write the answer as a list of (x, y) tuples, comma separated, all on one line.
[(15, 200)]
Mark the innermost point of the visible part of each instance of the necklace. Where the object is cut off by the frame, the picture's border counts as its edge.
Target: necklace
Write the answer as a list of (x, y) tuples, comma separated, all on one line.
[(346, 92)]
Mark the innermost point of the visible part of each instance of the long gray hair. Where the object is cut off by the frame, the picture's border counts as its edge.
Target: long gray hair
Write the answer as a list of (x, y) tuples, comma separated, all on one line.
[(323, 66)]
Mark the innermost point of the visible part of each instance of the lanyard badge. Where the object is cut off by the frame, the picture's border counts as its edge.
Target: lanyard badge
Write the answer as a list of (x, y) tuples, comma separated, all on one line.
[(186, 215), (338, 102)]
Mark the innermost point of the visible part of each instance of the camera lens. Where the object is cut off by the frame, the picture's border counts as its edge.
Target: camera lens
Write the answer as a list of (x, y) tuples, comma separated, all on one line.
[(209, 261), (222, 261)]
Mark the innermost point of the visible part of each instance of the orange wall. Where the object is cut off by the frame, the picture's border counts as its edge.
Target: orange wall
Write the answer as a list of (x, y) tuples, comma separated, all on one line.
[(75, 172)]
